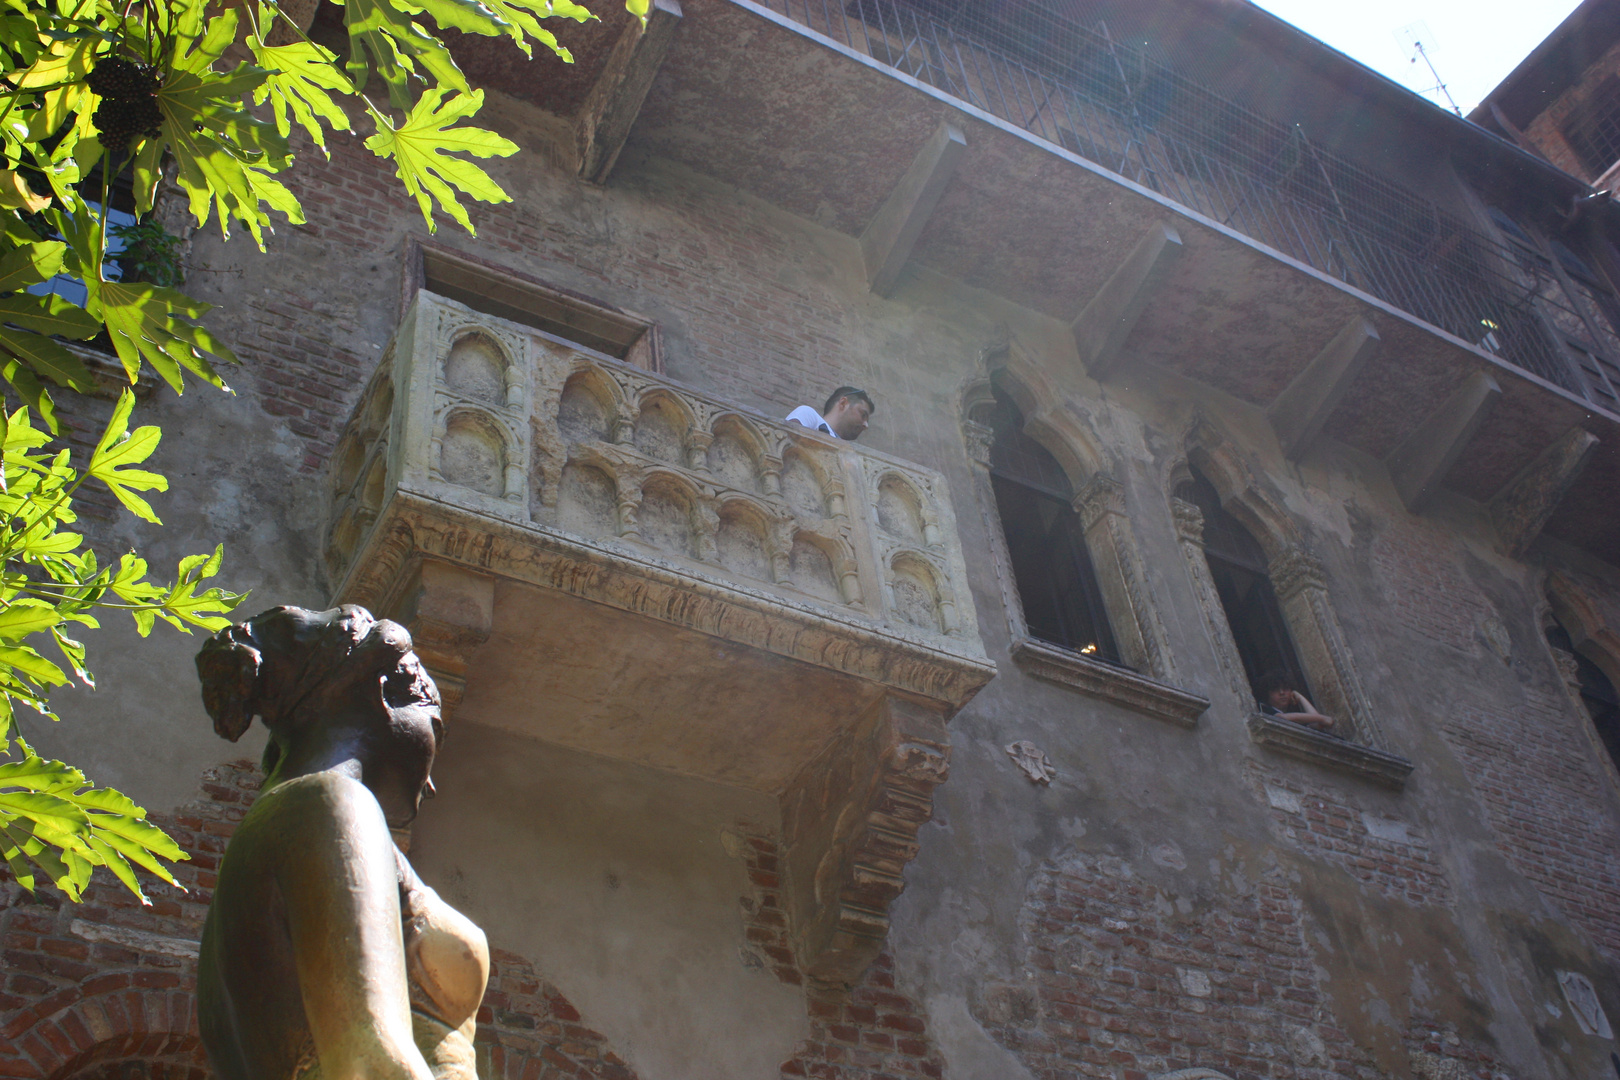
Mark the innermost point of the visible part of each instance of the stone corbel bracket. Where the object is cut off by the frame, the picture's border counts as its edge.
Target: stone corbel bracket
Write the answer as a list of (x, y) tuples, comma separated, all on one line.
[(610, 110), (887, 242), (1104, 324), (849, 827), (1527, 502)]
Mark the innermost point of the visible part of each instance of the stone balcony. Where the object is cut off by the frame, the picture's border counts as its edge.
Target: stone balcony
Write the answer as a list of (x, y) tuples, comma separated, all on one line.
[(598, 557)]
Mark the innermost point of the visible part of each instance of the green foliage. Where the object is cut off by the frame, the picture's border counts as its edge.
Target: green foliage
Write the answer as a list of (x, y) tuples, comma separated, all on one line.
[(418, 148), (151, 254), (52, 820), (92, 89)]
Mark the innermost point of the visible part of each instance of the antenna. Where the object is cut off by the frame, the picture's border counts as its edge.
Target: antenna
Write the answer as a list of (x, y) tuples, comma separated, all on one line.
[(1417, 41)]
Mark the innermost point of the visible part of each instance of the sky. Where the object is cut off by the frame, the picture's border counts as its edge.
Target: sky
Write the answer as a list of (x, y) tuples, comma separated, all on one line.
[(1473, 44)]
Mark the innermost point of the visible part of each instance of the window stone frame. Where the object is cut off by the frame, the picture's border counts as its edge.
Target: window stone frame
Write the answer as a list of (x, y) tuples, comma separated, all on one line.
[(1595, 637), (1300, 581), (1100, 502)]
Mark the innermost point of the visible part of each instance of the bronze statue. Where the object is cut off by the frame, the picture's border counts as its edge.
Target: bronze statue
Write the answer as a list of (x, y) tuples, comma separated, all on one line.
[(323, 955)]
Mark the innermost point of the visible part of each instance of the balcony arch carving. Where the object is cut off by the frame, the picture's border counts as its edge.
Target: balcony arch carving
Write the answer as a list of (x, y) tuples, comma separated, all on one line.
[(664, 426), (475, 451), (736, 454)]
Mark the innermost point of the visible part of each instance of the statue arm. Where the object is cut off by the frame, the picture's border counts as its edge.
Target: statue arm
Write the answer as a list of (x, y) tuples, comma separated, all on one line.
[(340, 884)]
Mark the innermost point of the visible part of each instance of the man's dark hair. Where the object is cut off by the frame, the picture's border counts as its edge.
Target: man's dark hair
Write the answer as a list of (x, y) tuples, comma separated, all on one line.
[(850, 392), (1273, 680)]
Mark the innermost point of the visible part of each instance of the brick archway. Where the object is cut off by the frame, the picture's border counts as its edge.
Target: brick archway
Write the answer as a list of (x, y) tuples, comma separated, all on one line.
[(129, 1034)]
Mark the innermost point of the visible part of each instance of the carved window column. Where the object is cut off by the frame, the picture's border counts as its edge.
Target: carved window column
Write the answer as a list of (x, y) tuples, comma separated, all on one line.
[(1301, 586), (1138, 631), (1190, 533)]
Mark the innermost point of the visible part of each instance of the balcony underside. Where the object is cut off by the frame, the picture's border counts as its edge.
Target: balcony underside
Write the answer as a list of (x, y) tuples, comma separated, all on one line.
[(756, 102), (598, 650)]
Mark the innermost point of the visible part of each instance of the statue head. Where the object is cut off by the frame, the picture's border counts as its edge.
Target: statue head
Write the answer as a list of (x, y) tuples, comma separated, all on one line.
[(323, 679)]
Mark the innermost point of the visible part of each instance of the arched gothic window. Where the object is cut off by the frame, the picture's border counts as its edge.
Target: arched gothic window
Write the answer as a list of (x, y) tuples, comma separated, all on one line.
[(1238, 566), (1597, 692), (1046, 542)]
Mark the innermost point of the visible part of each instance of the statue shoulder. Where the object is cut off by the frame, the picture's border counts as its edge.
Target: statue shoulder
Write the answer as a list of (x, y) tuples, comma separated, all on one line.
[(321, 802)]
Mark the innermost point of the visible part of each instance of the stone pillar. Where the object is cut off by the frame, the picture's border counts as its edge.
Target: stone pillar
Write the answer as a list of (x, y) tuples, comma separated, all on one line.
[(697, 450), (1301, 586), (1143, 643), (1190, 533)]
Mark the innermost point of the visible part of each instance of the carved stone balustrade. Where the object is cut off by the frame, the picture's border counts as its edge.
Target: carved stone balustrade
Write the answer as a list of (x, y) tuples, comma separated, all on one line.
[(598, 557)]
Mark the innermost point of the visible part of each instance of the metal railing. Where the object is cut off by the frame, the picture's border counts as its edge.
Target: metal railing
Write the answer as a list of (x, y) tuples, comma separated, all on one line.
[(1123, 108)]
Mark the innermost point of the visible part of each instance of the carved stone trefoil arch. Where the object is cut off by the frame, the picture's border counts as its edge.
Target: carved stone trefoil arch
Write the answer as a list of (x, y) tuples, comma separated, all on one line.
[(1100, 501), (1300, 581)]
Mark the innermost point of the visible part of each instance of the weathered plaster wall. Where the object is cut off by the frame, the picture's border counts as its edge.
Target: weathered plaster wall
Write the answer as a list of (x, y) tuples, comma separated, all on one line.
[(617, 883), (1175, 897)]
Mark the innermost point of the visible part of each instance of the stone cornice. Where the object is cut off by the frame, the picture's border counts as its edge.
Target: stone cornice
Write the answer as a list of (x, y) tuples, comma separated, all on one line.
[(1115, 684), (1298, 741)]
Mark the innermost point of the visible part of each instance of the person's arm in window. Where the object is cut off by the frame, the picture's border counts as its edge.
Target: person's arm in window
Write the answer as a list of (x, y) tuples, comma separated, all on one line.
[(1307, 714)]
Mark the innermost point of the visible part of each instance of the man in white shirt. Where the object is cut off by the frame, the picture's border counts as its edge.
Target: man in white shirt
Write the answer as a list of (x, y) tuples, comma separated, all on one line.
[(847, 412)]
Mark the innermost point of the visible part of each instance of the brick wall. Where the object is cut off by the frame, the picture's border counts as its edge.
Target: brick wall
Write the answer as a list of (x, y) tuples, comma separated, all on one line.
[(1425, 590), (1385, 853), (527, 1030), (111, 983), (108, 980), (1438, 1052), (1546, 130), (1543, 794), (755, 319), (871, 1032), (867, 1032), (105, 990), (1121, 985)]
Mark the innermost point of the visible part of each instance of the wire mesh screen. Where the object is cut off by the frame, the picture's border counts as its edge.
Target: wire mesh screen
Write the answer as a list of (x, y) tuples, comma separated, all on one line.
[(1040, 67)]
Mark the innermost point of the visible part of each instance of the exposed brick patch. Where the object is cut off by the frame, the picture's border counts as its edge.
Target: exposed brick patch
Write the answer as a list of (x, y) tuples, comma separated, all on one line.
[(118, 1002), (1546, 129), (868, 1032), (71, 1002), (1120, 985), (1426, 591), (1437, 1052), (1389, 855), (765, 925), (1533, 769), (527, 1030)]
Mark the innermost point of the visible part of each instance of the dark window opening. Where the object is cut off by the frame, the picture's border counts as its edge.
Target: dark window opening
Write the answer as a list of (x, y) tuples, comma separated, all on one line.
[(1594, 131), (1237, 563), (1597, 693), (130, 247), (1045, 541), (1513, 230)]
